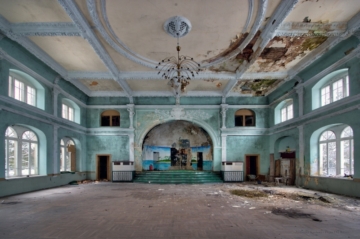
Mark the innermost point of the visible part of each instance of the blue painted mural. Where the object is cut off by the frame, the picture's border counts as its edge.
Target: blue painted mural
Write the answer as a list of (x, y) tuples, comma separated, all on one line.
[(158, 157)]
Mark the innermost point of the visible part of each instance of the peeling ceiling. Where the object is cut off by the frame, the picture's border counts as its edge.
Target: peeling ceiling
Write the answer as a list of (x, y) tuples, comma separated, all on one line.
[(245, 47)]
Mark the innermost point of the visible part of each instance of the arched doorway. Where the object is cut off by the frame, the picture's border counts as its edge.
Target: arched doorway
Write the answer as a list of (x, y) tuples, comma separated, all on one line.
[(177, 145)]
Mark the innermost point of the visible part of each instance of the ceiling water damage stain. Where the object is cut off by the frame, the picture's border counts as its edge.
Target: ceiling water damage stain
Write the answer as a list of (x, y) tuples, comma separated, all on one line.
[(215, 81), (256, 87), (94, 83), (233, 64), (282, 52)]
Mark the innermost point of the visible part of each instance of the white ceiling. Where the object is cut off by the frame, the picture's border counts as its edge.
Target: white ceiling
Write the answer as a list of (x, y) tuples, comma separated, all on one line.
[(236, 41)]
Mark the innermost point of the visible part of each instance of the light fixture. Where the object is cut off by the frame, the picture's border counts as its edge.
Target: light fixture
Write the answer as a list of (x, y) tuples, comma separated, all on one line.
[(181, 69)]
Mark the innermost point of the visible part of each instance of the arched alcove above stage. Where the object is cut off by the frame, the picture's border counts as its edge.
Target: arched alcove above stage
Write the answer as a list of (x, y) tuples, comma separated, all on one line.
[(177, 145)]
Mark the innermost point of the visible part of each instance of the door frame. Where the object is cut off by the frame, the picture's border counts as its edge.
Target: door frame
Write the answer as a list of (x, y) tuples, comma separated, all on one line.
[(108, 166), (257, 163)]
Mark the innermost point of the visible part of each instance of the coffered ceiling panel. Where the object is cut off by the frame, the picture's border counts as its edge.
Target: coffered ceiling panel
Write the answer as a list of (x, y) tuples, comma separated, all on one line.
[(214, 25), (207, 85), (149, 85), (33, 11), (72, 53)]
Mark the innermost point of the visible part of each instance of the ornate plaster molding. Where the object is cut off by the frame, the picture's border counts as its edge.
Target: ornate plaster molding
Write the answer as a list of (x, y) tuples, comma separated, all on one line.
[(273, 23), (120, 47), (352, 26), (40, 78), (177, 26), (256, 26), (5, 26), (332, 67), (293, 29), (179, 112), (75, 14), (249, 17), (45, 29)]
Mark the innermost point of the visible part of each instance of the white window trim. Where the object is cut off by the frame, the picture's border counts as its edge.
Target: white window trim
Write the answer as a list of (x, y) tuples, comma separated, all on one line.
[(64, 149), (345, 81), (18, 154), (68, 114), (286, 108), (11, 90)]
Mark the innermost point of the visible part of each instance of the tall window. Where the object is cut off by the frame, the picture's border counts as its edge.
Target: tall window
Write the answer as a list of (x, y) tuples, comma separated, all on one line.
[(347, 151), (11, 163), (327, 149), (67, 155), (244, 117), (110, 118), (335, 90), (67, 112), (21, 154), (22, 91), (287, 111)]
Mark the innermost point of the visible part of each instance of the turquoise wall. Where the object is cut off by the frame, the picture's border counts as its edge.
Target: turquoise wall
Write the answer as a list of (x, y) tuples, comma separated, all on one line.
[(91, 139)]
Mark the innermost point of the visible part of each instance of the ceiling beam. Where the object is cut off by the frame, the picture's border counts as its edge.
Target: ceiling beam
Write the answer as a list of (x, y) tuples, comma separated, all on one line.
[(45, 29), (281, 12), (80, 21)]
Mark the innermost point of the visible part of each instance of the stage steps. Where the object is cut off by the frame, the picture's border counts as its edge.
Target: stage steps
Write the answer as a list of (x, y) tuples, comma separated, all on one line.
[(178, 177)]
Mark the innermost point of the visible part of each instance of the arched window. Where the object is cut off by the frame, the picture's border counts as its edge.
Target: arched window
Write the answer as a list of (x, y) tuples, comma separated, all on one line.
[(284, 111), (244, 117), (347, 151), (110, 118), (67, 155), (331, 88), (70, 110), (29, 157), (327, 150), (21, 154), (25, 88), (11, 163)]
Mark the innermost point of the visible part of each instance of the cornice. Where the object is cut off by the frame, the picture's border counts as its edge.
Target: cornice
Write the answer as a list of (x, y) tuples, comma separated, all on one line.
[(75, 14), (311, 29), (5, 26), (45, 29), (332, 67), (43, 80)]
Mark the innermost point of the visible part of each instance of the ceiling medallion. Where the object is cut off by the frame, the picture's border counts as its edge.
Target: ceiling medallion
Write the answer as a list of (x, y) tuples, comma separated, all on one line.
[(181, 69)]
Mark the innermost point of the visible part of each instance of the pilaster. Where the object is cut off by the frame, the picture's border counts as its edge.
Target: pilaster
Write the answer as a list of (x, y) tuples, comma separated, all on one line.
[(300, 92), (130, 108), (224, 108)]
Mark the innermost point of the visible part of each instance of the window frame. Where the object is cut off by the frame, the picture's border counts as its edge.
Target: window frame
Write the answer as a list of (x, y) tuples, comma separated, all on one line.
[(68, 113), (321, 160), (286, 108), (20, 141), (64, 152), (24, 92), (344, 77), (350, 140), (111, 114), (244, 118)]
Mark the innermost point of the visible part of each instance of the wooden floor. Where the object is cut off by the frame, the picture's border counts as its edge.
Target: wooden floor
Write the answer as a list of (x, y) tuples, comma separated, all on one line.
[(131, 210)]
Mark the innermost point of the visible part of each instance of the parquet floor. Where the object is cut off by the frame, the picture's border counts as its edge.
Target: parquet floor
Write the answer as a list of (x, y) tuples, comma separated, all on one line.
[(130, 210)]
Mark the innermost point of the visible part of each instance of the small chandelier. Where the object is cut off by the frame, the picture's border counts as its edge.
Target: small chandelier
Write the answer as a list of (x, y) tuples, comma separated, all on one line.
[(181, 69)]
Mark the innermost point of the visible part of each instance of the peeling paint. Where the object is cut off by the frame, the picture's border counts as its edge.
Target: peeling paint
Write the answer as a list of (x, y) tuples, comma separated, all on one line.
[(282, 53), (256, 87)]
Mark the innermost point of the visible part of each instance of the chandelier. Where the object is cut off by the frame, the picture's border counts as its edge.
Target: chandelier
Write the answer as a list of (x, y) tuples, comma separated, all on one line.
[(181, 69)]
